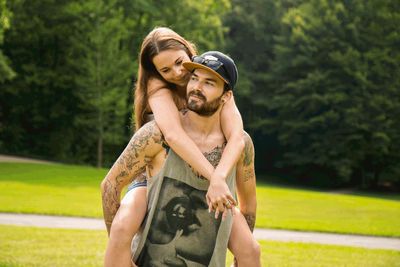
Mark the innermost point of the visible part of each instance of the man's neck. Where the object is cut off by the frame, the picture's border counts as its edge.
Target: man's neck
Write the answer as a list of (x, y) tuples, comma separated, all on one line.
[(202, 125)]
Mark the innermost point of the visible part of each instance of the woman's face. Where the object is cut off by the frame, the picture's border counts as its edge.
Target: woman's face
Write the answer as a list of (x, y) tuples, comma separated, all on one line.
[(169, 64)]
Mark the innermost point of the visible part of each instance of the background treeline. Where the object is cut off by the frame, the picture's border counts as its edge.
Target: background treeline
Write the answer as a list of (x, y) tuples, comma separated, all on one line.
[(319, 85)]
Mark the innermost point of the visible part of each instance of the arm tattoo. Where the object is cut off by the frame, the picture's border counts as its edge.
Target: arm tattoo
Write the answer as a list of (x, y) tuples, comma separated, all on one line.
[(111, 203), (131, 165), (251, 220), (248, 159), (248, 151)]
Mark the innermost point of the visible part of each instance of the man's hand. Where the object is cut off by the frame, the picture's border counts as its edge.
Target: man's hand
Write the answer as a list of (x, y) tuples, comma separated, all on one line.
[(219, 197)]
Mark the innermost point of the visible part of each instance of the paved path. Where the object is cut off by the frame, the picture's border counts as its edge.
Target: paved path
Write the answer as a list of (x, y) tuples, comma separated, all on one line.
[(264, 234), (7, 158)]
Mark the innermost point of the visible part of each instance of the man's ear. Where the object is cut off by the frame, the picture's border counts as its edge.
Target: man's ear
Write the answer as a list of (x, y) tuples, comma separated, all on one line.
[(226, 96)]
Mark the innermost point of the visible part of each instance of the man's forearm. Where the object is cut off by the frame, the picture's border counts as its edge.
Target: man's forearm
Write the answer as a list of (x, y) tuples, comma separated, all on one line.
[(111, 202), (250, 219)]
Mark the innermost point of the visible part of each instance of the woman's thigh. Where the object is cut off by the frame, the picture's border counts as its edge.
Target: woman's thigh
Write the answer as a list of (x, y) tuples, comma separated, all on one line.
[(242, 243), (131, 212)]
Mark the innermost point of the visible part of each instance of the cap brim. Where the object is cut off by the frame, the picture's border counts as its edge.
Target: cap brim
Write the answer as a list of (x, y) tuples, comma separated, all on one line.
[(191, 66)]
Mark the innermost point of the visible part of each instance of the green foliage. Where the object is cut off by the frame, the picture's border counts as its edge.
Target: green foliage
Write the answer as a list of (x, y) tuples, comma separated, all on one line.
[(37, 108), (5, 71), (331, 97), (76, 63), (318, 85), (102, 68)]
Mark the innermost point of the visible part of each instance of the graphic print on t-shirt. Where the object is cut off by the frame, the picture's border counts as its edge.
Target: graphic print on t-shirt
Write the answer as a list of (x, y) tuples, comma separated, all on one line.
[(182, 231)]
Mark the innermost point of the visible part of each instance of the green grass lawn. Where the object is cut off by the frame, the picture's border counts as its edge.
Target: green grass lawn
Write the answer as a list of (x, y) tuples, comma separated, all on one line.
[(289, 208), (26, 246), (51, 189), (74, 190)]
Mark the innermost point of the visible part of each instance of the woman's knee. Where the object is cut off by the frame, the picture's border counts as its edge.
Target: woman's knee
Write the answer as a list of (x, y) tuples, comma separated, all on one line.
[(252, 250), (121, 231), (255, 249)]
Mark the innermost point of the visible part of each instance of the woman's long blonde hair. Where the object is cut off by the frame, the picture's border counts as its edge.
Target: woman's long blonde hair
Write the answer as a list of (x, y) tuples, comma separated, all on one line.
[(158, 40)]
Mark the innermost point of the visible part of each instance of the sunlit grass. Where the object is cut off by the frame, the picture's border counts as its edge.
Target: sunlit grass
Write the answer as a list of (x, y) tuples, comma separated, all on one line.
[(289, 208), (51, 189), (279, 254), (26, 246), (74, 190)]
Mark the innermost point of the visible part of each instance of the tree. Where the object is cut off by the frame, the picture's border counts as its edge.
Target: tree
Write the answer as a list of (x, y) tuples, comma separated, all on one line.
[(76, 63), (250, 39), (36, 107), (334, 89), (5, 71), (103, 68)]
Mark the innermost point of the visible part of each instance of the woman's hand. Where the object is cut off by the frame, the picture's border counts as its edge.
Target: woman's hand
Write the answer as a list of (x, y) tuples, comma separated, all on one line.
[(219, 197)]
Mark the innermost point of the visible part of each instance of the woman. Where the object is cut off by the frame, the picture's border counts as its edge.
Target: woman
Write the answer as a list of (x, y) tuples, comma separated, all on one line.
[(161, 92)]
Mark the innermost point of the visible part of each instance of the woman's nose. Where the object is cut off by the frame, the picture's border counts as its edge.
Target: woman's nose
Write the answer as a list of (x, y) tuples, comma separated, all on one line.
[(178, 71)]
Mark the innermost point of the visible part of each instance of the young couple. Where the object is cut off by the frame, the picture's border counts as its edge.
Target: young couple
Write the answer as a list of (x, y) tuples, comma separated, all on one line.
[(188, 157)]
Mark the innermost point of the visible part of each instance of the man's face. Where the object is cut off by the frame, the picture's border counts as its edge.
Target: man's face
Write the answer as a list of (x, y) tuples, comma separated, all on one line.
[(204, 92)]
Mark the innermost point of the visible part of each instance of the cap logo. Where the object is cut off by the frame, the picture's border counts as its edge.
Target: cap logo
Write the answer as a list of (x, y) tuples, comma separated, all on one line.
[(209, 57)]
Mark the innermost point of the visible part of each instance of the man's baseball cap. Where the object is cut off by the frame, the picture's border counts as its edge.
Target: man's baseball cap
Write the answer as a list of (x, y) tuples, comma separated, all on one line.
[(218, 63)]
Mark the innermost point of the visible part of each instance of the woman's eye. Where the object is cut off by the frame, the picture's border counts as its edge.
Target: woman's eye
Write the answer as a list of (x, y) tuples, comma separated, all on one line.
[(179, 62), (165, 71)]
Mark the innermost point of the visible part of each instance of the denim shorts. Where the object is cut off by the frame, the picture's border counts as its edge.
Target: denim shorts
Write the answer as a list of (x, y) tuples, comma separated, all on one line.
[(136, 184)]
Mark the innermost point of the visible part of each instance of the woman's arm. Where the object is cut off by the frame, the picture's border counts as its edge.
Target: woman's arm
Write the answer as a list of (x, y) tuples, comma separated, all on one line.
[(232, 126), (168, 120)]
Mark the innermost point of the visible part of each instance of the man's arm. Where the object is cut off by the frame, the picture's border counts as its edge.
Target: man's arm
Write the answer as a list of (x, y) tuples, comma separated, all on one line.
[(246, 183), (144, 144)]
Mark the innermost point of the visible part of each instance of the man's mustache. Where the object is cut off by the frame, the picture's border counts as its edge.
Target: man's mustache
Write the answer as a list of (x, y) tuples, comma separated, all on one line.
[(198, 94)]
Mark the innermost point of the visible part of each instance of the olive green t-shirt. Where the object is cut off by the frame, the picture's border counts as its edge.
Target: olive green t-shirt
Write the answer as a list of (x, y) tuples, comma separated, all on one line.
[(178, 229)]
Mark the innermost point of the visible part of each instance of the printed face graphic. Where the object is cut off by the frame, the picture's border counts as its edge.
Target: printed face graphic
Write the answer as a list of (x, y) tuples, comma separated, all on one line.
[(181, 229)]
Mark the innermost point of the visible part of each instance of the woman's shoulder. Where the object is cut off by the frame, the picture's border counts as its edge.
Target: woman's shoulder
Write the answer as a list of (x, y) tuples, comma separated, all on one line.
[(155, 84)]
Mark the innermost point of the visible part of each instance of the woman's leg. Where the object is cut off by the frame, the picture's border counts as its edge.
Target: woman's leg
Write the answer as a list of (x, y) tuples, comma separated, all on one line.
[(125, 225), (242, 243)]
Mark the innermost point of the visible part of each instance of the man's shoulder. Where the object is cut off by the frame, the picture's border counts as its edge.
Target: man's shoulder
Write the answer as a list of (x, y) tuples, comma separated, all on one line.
[(150, 126), (247, 139), (149, 134), (248, 151)]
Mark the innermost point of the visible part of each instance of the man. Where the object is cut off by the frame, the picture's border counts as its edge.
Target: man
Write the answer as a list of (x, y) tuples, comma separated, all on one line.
[(179, 230)]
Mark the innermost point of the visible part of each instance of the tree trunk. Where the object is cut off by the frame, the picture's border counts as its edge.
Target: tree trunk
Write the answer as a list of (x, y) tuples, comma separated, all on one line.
[(100, 150)]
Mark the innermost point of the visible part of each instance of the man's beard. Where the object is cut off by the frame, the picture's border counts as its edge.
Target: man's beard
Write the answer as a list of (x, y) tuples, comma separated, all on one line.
[(203, 108)]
